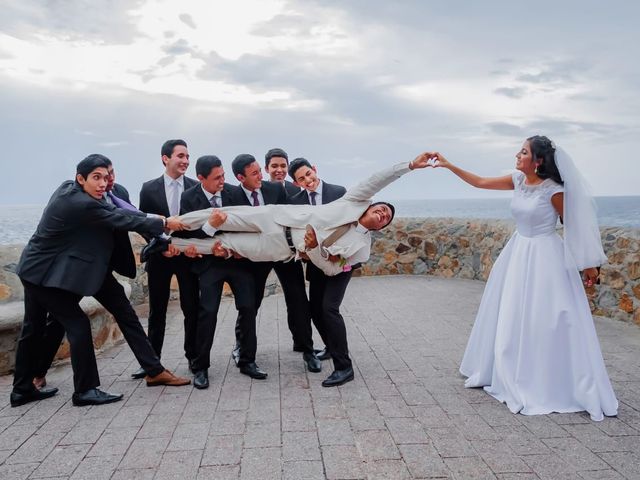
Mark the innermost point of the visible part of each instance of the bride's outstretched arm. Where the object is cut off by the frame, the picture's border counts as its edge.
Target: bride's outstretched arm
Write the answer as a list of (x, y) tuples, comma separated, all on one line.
[(490, 183)]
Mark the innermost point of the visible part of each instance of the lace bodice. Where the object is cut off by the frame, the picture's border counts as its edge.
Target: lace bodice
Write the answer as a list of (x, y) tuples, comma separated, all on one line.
[(531, 206)]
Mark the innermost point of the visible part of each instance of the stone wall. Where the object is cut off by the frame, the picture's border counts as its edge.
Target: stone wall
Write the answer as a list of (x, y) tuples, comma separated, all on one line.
[(467, 248)]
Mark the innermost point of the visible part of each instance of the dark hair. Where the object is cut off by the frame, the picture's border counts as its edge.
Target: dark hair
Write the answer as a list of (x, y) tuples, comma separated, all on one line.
[(206, 163), (241, 162), (169, 145), (391, 207), (275, 152), (90, 163), (296, 163), (544, 151)]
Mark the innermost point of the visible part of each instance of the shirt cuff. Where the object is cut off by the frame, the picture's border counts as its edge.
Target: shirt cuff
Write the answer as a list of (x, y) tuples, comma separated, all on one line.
[(209, 229)]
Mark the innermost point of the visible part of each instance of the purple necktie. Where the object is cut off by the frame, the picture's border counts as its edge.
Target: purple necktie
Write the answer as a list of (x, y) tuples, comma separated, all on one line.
[(313, 195), (254, 195), (214, 202), (118, 202)]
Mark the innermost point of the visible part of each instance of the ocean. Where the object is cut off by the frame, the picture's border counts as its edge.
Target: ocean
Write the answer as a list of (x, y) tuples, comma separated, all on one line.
[(19, 221)]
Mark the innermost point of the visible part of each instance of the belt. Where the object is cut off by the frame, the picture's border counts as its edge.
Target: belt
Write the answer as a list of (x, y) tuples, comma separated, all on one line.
[(287, 234)]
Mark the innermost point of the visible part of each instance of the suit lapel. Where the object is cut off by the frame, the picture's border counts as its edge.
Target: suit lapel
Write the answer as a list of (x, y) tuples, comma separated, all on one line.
[(161, 197)]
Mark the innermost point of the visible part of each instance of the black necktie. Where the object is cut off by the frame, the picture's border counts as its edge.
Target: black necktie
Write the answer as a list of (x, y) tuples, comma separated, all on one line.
[(312, 196)]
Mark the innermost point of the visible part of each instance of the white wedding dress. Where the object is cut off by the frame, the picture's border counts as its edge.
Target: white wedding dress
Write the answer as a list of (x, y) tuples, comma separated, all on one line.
[(534, 345)]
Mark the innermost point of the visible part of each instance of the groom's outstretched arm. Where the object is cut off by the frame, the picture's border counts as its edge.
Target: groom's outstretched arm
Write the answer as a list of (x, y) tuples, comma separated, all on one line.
[(366, 189)]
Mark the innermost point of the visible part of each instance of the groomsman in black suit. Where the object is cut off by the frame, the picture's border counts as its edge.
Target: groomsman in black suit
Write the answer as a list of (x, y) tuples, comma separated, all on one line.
[(112, 296), (68, 258), (325, 293), (213, 272), (276, 164), (254, 192), (161, 196)]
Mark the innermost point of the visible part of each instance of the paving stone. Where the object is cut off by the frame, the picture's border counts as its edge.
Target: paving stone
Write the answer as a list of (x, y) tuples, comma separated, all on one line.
[(393, 407), (219, 472), (335, 431), (223, 450), (35, 449), (62, 460), (626, 463), (550, 466), (192, 436), (179, 464), (303, 470), (366, 418), (16, 435), (385, 469), (96, 468), (298, 446), (423, 461), (469, 467), (450, 443), (575, 454), (262, 435), (298, 419), (376, 445), (144, 453), (500, 457), (156, 426), (342, 462), (134, 474), (406, 430), (228, 423), (263, 463), (113, 442)]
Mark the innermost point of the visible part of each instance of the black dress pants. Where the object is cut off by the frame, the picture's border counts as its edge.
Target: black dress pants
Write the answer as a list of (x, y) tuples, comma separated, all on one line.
[(291, 278), (325, 296), (239, 276), (160, 269), (64, 305), (114, 299)]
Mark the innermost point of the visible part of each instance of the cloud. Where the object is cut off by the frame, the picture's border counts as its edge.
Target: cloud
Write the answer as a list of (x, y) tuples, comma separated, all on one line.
[(187, 20), (511, 92)]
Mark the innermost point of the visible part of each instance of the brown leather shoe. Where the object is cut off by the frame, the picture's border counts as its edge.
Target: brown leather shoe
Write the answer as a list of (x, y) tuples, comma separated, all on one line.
[(166, 378)]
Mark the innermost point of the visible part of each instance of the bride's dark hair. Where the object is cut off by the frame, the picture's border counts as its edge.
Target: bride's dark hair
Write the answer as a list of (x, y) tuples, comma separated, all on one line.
[(543, 150)]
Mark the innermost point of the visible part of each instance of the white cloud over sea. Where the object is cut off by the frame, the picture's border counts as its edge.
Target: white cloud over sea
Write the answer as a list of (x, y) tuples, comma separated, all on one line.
[(350, 85)]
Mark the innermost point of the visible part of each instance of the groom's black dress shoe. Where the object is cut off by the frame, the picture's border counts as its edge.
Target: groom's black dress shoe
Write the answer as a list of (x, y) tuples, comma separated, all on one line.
[(18, 399), (139, 373), (201, 379), (94, 396), (323, 354), (313, 364), (156, 245), (252, 370), (338, 377)]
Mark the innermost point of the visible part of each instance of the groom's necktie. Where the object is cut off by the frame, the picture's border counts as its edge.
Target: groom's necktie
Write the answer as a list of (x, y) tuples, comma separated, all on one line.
[(214, 202), (337, 233), (118, 202), (312, 196)]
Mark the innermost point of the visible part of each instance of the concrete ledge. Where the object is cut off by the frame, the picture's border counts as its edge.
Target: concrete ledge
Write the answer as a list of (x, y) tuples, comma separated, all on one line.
[(104, 329)]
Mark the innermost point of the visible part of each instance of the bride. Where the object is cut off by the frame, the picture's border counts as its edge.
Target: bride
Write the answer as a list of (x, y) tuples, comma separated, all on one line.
[(533, 345)]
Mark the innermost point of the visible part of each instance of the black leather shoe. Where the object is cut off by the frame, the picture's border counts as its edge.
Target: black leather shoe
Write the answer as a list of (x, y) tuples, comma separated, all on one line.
[(313, 364), (252, 370), (338, 377), (18, 399), (201, 379), (297, 348), (156, 245), (323, 354), (94, 396), (139, 373), (235, 354)]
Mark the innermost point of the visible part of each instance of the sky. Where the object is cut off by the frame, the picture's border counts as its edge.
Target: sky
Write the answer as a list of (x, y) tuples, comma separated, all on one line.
[(352, 86)]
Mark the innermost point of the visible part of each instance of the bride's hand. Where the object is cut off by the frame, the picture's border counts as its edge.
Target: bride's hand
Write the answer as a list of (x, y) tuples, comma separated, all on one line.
[(590, 276), (440, 161)]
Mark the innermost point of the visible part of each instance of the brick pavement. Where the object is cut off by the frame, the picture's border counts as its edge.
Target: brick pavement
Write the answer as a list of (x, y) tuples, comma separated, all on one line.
[(406, 415)]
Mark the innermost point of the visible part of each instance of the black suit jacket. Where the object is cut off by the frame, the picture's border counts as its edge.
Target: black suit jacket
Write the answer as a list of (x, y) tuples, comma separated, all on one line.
[(73, 243), (330, 193), (290, 188), (153, 198), (272, 192), (122, 259), (195, 199)]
